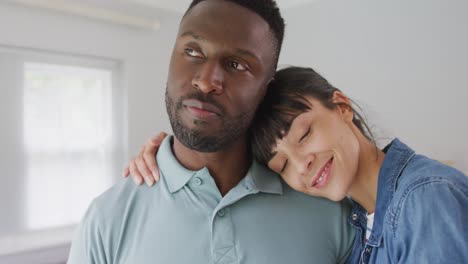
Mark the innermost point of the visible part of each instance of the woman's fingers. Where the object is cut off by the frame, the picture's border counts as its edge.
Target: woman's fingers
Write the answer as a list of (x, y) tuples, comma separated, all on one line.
[(126, 171), (143, 167), (135, 174), (149, 154), (144, 171)]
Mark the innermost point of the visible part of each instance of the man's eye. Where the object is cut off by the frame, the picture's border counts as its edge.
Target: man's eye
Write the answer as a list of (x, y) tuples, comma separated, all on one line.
[(193, 53), (237, 66)]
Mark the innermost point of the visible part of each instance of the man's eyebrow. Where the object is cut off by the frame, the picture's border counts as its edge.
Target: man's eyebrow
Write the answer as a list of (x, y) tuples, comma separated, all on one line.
[(243, 52), (240, 52), (193, 35)]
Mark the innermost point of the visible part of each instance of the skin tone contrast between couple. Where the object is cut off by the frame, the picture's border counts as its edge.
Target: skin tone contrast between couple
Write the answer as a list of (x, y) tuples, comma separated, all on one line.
[(308, 131), (231, 111), (214, 203)]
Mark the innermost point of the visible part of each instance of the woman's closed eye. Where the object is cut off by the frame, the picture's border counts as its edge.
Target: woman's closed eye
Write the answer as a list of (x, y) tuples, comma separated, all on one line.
[(284, 166), (306, 134)]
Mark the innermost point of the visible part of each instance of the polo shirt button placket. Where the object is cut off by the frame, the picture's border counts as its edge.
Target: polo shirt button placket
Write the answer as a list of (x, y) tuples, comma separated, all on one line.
[(223, 238), (198, 181), (221, 213)]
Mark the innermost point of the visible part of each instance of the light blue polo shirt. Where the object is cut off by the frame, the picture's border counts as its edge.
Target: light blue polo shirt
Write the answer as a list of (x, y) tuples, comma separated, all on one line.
[(184, 219)]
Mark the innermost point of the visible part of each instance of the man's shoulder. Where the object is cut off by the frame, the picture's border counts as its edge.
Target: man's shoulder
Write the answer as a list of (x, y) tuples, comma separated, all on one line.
[(308, 201), (302, 208), (290, 198), (117, 201)]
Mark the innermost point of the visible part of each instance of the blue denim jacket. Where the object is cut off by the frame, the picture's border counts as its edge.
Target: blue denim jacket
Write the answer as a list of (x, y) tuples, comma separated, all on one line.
[(421, 213)]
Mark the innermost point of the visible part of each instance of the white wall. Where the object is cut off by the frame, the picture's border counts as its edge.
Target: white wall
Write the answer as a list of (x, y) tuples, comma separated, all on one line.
[(144, 55), (405, 62)]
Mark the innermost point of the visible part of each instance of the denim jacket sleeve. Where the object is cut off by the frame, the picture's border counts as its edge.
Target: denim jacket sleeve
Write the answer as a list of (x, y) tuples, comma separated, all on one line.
[(429, 222)]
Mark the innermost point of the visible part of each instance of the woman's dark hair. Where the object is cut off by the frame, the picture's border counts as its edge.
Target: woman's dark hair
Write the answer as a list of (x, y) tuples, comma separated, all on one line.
[(284, 101)]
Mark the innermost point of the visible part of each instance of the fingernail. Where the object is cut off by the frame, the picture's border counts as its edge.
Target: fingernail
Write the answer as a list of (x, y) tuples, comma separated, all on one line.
[(149, 182), (139, 181), (156, 176), (156, 139)]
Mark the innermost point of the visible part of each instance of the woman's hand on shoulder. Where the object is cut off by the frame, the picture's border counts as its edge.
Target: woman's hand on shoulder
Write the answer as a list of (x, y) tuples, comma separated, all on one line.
[(143, 167)]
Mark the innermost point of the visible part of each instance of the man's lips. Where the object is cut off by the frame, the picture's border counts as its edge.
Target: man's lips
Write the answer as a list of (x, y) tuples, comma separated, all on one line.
[(322, 175), (201, 109)]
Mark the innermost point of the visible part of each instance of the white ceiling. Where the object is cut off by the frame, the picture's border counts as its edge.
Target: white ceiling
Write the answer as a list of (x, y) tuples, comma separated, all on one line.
[(181, 5), (135, 13)]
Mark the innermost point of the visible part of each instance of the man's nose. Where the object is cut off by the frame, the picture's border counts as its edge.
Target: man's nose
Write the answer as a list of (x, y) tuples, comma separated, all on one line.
[(209, 78)]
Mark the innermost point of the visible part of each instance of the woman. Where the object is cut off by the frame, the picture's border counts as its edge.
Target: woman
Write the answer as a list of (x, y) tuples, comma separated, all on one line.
[(407, 207)]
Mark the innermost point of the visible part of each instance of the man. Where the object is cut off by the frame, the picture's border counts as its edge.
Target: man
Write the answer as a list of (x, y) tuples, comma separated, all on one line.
[(214, 204)]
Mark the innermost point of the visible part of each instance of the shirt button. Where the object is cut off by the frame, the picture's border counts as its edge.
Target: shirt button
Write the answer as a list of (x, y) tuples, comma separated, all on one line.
[(197, 181), (354, 217), (221, 213)]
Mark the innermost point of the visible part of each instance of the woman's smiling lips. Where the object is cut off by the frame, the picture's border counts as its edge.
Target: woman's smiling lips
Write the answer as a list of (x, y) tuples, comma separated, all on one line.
[(200, 109), (322, 176)]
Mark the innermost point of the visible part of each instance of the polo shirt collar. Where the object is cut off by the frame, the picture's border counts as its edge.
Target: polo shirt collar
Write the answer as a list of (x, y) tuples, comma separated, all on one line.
[(177, 176), (264, 180)]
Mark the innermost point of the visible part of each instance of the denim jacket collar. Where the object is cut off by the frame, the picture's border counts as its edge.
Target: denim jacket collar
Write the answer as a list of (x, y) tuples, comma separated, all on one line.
[(397, 156)]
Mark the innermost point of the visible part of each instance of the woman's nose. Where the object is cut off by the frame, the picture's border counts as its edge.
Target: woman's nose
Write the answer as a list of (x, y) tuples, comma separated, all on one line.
[(304, 163)]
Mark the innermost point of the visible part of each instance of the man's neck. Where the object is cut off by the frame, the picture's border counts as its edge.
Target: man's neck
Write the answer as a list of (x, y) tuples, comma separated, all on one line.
[(227, 167)]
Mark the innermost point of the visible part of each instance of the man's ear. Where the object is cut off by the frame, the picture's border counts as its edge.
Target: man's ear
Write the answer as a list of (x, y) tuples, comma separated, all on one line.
[(267, 85), (270, 80), (343, 105)]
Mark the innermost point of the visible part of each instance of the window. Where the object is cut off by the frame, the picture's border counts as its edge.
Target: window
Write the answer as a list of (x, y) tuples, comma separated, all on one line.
[(68, 141), (62, 143)]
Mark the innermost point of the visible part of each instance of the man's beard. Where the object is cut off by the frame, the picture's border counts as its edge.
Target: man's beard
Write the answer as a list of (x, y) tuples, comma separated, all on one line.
[(200, 139)]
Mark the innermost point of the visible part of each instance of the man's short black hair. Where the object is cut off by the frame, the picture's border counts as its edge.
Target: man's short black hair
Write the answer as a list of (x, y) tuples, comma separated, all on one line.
[(269, 11)]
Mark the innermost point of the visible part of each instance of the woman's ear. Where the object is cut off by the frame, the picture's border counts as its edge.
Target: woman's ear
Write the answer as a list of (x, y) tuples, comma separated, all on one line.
[(343, 105)]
